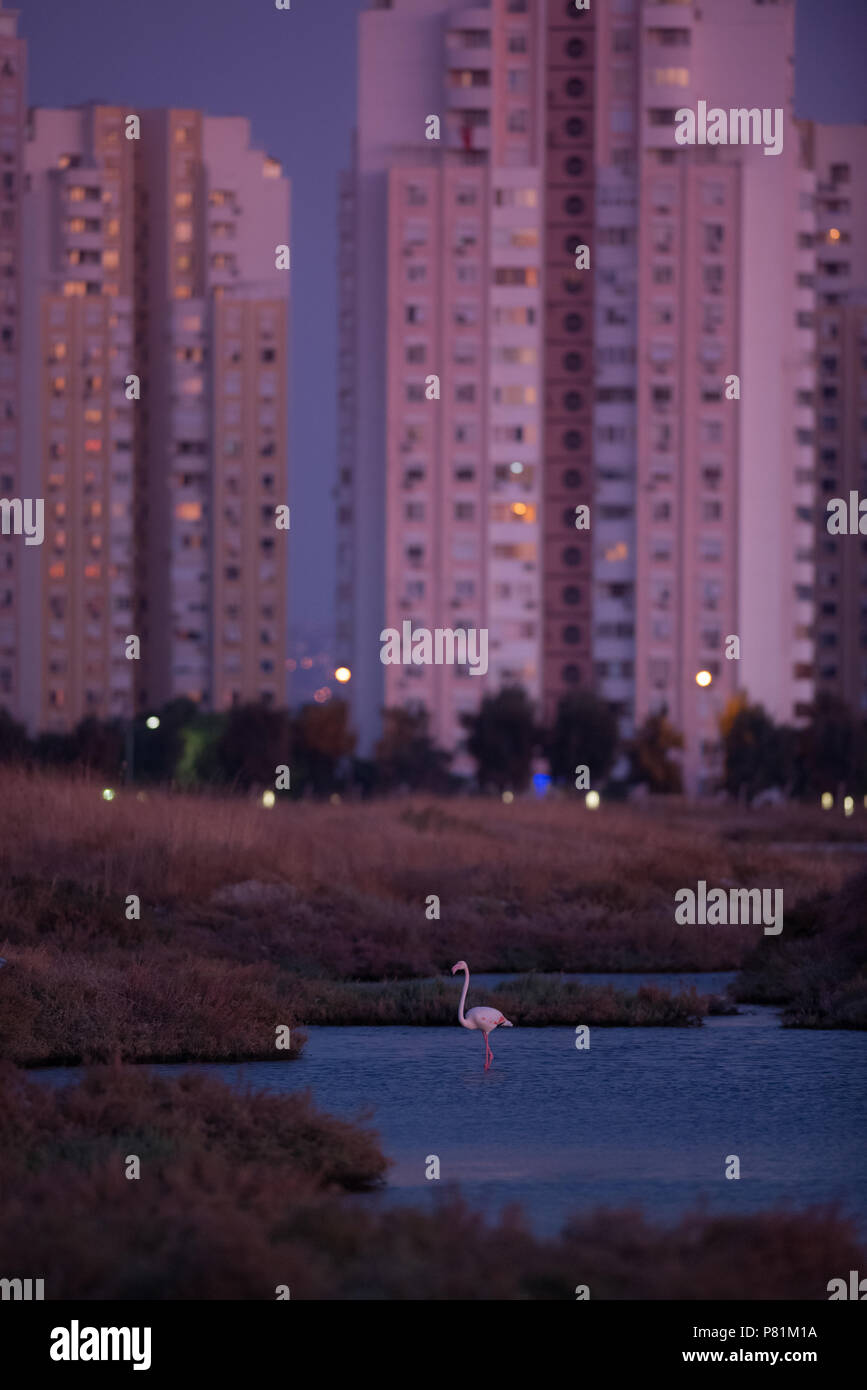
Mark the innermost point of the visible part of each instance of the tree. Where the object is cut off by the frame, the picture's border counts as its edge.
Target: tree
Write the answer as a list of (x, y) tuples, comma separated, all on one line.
[(200, 739), (321, 739), (407, 756), (95, 745), (832, 749), (15, 746), (254, 742), (502, 737), (648, 753), (757, 752), (159, 751), (584, 732)]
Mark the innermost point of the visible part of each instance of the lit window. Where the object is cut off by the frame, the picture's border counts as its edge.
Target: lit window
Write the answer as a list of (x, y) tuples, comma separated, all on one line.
[(183, 231), (188, 511), (671, 77)]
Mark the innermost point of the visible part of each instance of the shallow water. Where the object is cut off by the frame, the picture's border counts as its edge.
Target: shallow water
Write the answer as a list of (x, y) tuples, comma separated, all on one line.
[(646, 1116)]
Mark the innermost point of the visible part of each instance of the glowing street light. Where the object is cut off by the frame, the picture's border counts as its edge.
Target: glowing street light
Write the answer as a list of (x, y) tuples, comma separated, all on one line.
[(703, 678), (268, 799), (343, 674), (591, 801), (827, 801), (107, 794), (848, 805), (152, 722), (508, 797)]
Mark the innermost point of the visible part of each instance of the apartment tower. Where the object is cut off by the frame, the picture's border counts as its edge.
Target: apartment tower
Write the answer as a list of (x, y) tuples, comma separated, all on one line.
[(154, 350), (713, 536), (465, 337), (839, 156)]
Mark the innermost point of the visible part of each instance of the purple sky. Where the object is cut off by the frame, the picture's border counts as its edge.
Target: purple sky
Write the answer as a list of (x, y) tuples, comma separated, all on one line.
[(293, 74)]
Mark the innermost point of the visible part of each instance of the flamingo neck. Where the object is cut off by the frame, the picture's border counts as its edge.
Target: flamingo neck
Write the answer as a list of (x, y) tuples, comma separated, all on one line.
[(461, 1018)]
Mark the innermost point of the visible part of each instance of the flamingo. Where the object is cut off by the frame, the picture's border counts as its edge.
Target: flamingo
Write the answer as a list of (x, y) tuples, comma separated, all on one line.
[(486, 1020)]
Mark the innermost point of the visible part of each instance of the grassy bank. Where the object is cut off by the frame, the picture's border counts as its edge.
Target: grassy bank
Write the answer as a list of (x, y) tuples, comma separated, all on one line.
[(241, 1193), (531, 1000), (818, 969), (69, 1010), (243, 912)]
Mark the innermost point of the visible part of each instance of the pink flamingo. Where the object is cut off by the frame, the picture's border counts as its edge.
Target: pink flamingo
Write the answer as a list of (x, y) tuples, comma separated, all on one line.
[(486, 1020)]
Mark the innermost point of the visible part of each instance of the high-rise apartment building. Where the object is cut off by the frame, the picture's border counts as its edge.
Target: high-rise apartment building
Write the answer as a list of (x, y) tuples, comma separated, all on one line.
[(78, 447), (213, 316), (457, 261), (154, 341), (719, 542), (840, 159), (12, 96), (672, 385)]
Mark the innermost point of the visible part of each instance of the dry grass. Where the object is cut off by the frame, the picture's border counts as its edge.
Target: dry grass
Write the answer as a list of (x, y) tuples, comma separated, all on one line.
[(818, 969), (599, 884), (188, 1116), (71, 1008), (238, 901)]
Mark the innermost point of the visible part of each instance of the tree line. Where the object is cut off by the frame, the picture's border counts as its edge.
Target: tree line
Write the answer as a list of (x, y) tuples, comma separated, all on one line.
[(242, 748)]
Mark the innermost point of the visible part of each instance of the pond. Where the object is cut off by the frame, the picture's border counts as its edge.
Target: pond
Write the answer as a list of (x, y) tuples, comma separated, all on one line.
[(645, 1117)]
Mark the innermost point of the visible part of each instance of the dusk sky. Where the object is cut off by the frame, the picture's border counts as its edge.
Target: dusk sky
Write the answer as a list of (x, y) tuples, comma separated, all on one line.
[(293, 74)]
